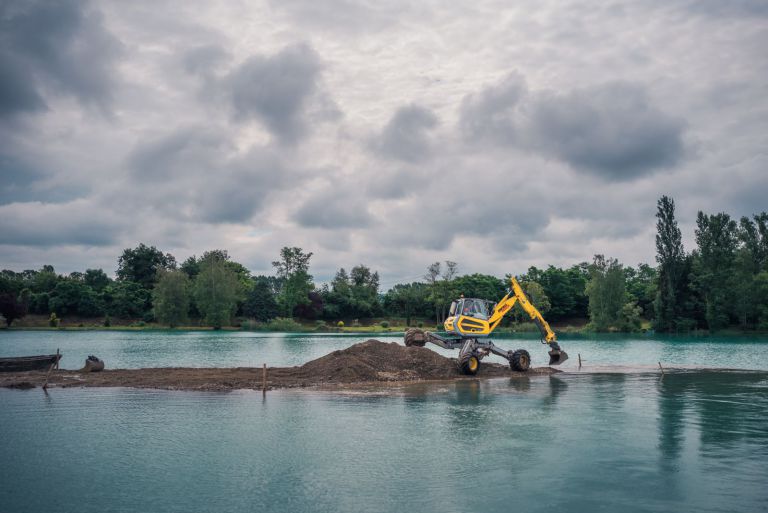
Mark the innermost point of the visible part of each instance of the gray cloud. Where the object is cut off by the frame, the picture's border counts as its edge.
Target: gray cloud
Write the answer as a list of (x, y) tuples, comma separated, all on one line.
[(406, 135), (611, 130), (203, 177), (334, 209), (221, 137), (492, 113), (60, 47), (16, 96), (45, 225), (203, 59), (276, 90), (24, 181)]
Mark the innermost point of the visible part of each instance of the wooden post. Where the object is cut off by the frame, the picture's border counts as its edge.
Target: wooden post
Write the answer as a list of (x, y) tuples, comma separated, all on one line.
[(57, 359), (50, 369), (662, 369), (579, 360), (264, 380)]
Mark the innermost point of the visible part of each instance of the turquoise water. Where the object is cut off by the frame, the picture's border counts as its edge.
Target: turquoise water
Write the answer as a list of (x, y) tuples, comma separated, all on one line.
[(130, 349), (577, 442)]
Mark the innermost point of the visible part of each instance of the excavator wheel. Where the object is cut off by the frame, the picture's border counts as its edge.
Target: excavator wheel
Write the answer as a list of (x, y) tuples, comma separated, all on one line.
[(520, 360), (415, 337), (469, 364)]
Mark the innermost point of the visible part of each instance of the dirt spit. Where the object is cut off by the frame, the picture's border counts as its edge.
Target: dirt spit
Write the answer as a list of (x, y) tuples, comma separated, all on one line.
[(368, 362)]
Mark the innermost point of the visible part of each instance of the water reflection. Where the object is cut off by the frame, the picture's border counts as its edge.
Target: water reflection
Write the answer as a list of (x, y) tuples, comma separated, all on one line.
[(726, 407)]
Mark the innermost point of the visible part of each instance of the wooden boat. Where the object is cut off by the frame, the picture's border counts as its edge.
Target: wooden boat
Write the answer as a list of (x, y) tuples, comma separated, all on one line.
[(28, 363)]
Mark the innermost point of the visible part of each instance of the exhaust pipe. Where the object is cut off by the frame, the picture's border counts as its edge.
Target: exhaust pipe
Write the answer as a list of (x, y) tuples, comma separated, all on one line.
[(556, 355)]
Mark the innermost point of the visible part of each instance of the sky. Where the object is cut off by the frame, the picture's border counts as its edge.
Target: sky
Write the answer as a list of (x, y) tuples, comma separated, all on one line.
[(495, 134)]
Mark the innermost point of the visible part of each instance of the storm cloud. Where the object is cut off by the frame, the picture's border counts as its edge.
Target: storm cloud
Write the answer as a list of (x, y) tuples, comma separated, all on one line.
[(406, 136), (609, 130), (276, 90), (54, 48), (393, 135)]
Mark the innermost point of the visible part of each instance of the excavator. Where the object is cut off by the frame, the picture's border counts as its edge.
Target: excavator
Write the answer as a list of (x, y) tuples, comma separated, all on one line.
[(471, 321)]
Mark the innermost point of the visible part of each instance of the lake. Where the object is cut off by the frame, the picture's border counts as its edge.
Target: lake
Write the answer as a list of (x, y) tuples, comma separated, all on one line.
[(691, 440), (136, 349)]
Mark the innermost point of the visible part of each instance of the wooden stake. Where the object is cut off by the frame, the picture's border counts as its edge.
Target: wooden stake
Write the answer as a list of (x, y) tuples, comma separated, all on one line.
[(662, 369), (50, 369), (264, 379), (579, 360), (57, 359)]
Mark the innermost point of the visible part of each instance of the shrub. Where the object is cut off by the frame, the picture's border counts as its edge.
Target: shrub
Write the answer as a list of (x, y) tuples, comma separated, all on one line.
[(356, 323), (420, 324), (138, 324), (107, 322), (283, 324), (340, 324), (384, 324), (320, 325), (53, 321)]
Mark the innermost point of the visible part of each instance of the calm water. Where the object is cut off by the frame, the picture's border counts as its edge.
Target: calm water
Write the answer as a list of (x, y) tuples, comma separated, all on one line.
[(130, 349), (690, 441)]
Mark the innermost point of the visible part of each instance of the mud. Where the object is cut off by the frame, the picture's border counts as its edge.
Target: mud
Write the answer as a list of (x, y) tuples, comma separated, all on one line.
[(365, 363)]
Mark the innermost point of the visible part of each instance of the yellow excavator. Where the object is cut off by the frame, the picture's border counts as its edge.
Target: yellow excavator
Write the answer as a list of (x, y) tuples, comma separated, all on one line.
[(471, 321)]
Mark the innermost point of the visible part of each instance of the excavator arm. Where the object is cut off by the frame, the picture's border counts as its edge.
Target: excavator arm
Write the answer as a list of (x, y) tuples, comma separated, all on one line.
[(515, 294)]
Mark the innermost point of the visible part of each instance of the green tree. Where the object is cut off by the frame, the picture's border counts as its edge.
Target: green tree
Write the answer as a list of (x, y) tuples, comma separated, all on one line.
[(565, 289), (714, 259), (140, 265), (641, 286), (72, 296), (607, 293), (670, 255), (441, 285), (44, 280), (13, 306), (260, 302), (170, 297), (293, 271), (97, 279), (761, 299), (482, 286), (629, 317), (408, 300), (127, 300), (217, 290)]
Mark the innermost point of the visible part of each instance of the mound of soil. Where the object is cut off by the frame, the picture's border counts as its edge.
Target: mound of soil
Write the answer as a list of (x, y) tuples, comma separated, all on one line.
[(378, 361), (367, 362)]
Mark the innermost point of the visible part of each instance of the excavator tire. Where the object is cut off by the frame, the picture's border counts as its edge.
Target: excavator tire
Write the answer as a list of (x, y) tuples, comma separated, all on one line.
[(520, 360), (469, 364), (415, 337)]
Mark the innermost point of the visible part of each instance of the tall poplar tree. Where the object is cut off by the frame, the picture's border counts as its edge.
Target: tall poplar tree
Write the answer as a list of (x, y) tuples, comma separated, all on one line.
[(670, 255)]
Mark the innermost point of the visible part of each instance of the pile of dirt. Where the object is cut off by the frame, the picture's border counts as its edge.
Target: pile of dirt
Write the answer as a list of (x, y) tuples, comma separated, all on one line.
[(367, 362), (378, 361)]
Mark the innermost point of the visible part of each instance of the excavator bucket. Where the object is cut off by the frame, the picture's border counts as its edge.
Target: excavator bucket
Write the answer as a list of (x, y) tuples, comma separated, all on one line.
[(556, 357)]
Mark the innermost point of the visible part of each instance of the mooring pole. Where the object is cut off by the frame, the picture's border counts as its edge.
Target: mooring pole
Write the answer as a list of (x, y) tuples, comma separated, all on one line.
[(579, 360), (50, 369), (264, 380), (662, 369)]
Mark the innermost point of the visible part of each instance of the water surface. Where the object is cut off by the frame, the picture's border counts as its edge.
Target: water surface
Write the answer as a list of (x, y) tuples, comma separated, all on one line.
[(136, 349), (688, 441)]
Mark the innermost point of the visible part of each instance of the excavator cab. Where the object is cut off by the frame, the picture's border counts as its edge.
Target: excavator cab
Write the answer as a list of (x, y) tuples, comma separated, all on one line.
[(468, 316)]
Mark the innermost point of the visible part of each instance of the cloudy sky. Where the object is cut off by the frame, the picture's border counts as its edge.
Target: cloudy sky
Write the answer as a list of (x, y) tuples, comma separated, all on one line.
[(496, 134)]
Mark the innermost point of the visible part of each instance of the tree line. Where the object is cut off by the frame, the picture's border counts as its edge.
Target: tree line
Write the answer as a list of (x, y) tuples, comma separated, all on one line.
[(722, 282)]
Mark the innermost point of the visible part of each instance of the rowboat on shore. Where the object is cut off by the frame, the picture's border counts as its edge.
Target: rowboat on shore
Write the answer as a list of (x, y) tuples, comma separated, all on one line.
[(28, 363)]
